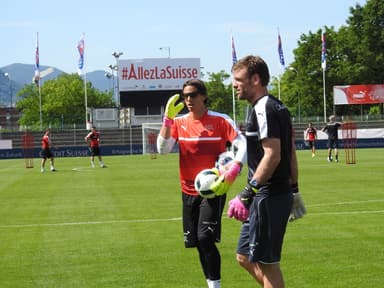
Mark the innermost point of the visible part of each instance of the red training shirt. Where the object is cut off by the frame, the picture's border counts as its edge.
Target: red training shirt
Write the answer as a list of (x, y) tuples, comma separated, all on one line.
[(200, 143), (45, 142), (94, 137)]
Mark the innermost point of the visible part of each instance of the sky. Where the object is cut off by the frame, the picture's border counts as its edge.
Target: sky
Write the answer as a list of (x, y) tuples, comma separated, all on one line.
[(184, 29)]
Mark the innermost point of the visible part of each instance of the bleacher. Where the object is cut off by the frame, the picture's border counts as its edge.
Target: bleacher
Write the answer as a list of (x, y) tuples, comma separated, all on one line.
[(128, 136), (301, 127), (75, 137)]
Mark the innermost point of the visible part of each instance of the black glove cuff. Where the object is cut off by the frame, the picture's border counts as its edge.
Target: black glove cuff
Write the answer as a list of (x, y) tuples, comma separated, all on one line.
[(246, 196), (253, 183), (295, 188)]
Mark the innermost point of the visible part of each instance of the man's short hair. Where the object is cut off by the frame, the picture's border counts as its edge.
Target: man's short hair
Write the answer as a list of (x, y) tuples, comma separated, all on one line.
[(254, 65)]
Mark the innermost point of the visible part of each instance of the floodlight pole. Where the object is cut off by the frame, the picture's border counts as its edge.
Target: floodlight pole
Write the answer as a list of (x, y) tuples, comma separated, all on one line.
[(109, 77), (168, 49), (10, 87), (117, 56), (298, 93), (113, 69)]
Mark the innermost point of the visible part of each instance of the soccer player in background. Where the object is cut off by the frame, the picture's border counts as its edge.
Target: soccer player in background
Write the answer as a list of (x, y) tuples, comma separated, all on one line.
[(93, 141), (332, 129), (46, 151), (273, 174), (202, 135), (311, 137)]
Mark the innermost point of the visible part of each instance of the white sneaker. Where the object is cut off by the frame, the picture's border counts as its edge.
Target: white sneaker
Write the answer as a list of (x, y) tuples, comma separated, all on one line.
[(42, 170)]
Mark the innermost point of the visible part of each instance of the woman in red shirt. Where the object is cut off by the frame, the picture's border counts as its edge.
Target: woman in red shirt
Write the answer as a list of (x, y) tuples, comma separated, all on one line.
[(311, 136)]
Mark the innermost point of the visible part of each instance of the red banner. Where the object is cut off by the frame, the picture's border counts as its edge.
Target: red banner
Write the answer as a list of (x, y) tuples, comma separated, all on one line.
[(358, 94)]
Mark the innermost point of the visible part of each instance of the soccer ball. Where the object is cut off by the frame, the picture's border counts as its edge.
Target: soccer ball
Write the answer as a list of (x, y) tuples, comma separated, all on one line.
[(223, 160), (204, 180)]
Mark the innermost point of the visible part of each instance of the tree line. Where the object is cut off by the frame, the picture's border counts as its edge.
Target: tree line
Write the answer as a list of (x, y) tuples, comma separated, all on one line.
[(354, 53)]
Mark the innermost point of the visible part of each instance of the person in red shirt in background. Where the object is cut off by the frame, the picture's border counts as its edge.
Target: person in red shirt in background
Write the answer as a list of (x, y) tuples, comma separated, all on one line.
[(93, 141), (46, 151), (311, 137), (202, 136)]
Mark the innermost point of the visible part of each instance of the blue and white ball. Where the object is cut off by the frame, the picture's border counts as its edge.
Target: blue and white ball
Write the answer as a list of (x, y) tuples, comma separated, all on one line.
[(203, 181)]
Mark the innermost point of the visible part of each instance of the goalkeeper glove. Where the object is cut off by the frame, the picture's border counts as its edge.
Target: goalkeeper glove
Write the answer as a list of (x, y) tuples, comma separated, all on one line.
[(239, 206), (232, 170), (171, 110), (298, 208), (222, 184)]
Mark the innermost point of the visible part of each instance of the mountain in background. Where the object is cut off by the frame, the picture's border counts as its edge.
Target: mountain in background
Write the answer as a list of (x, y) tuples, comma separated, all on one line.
[(13, 77)]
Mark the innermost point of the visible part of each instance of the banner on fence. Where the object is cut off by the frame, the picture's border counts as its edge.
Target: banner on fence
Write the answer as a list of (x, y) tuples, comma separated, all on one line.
[(358, 94)]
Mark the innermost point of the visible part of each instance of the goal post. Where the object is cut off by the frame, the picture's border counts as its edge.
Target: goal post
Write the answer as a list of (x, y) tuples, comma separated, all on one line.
[(150, 132), (27, 142), (349, 132)]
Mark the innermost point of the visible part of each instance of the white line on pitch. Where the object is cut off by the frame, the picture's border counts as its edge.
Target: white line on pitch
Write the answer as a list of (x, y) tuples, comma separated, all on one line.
[(346, 213), (346, 203), (82, 169), (88, 223), (162, 220)]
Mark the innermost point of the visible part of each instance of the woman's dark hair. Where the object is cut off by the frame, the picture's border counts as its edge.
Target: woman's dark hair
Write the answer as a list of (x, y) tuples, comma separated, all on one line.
[(198, 84)]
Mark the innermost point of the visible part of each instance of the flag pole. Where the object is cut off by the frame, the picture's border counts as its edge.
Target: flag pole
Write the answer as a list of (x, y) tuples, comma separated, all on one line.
[(233, 105), (85, 85), (324, 98), (324, 66), (40, 104), (37, 79), (81, 69), (85, 98), (234, 61), (281, 59)]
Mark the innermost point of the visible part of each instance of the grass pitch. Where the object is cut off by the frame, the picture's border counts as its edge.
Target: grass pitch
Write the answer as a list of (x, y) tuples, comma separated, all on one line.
[(121, 226)]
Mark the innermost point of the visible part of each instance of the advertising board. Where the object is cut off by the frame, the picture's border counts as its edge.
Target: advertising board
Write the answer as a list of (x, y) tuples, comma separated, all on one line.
[(156, 73)]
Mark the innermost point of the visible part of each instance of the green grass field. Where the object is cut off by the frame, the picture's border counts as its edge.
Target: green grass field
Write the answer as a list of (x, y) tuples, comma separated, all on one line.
[(121, 226)]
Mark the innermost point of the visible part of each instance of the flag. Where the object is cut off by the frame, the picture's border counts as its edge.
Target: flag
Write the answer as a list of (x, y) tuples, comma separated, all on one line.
[(37, 61), (323, 52), (80, 48), (234, 57), (280, 51)]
